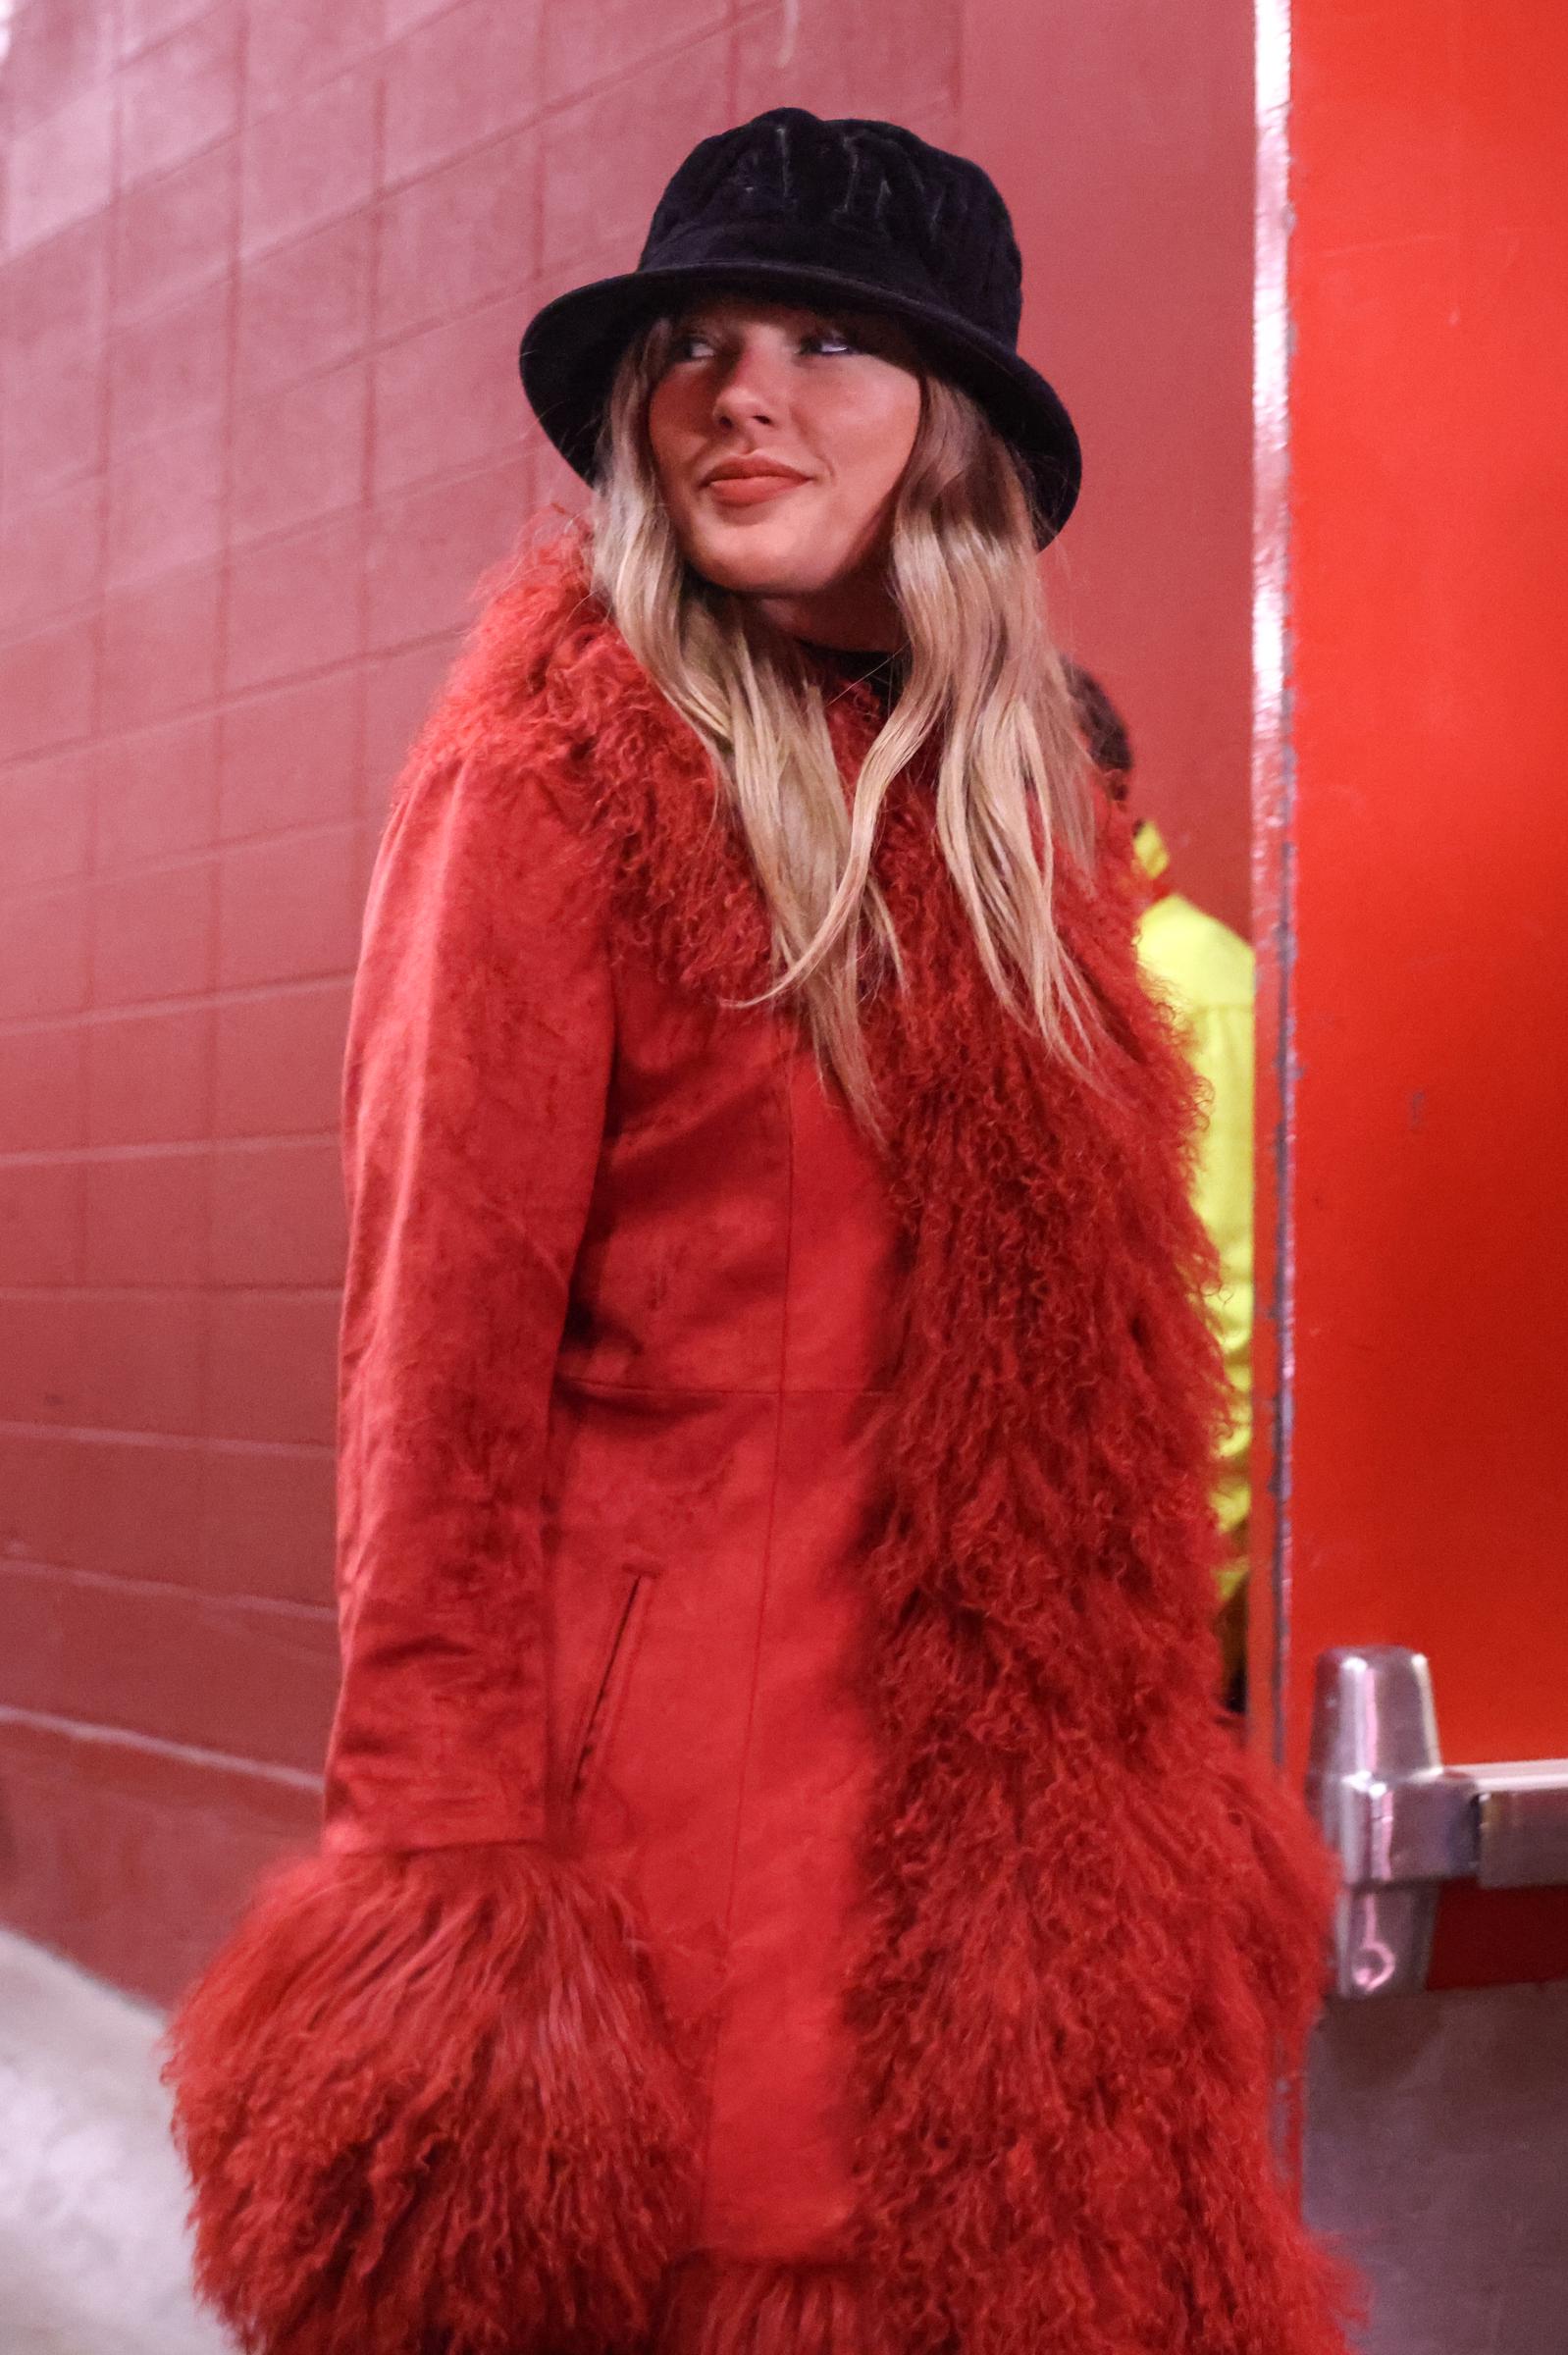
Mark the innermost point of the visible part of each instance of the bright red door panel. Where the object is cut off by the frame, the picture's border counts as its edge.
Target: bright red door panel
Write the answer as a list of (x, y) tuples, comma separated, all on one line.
[(1412, 863)]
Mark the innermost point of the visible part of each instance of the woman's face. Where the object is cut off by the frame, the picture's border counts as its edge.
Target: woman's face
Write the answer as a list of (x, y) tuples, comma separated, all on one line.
[(779, 436)]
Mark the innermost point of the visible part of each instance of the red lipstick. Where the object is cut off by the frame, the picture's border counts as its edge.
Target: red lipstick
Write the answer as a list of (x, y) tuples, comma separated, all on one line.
[(748, 482)]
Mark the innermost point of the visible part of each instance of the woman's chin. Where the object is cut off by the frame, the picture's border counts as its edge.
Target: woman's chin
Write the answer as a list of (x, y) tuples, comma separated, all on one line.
[(757, 564)]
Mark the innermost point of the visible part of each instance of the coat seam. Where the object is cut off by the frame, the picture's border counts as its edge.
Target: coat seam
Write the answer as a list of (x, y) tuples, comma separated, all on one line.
[(744, 1775)]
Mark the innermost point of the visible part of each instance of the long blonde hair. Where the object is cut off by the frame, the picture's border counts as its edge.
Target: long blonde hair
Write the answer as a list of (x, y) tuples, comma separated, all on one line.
[(983, 679)]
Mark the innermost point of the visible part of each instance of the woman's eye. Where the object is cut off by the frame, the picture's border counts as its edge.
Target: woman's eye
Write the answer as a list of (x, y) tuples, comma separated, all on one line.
[(690, 343)]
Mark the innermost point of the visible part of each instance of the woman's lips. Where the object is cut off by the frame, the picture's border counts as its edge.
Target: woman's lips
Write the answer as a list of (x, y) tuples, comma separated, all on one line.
[(750, 489)]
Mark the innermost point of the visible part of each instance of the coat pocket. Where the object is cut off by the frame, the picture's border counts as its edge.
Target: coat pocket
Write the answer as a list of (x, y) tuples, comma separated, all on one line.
[(598, 1718)]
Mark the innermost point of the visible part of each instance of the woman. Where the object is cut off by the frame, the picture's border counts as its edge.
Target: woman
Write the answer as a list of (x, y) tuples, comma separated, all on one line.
[(787, 1889)]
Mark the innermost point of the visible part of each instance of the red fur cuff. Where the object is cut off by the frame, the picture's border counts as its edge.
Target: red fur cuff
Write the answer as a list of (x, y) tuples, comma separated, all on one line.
[(426, 2101)]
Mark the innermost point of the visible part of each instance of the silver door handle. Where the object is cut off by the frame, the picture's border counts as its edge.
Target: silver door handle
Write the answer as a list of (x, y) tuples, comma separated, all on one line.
[(1402, 1822)]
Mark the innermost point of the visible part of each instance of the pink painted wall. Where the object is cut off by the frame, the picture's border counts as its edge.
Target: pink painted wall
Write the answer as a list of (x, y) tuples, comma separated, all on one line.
[(1120, 131)]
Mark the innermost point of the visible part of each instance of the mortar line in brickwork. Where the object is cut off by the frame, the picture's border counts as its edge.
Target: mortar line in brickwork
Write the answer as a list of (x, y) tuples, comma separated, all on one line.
[(536, 187), (306, 1451), (160, 1292), (209, 1087), (174, 1292), (277, 1607), (236, 994), (96, 603), (360, 684), (226, 487), (188, 1754), (87, 1434), (261, 1140), (97, 1434), (255, 543), (239, 698), (99, 631), (732, 60), (549, 108), (178, 863), (319, 1616), (149, 1149), (546, 111), (743, 12), (554, 108), (225, 601), (180, 859)]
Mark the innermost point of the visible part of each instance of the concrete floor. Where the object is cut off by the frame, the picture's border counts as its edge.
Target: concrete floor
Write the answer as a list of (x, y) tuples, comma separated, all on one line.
[(1437, 2152), (1436, 2155), (92, 2245)]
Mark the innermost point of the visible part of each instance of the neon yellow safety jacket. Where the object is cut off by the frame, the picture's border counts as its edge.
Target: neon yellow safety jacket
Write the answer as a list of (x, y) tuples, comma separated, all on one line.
[(1206, 970)]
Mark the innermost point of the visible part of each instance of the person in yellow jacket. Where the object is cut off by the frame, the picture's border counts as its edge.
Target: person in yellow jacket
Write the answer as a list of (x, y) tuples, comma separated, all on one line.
[(1206, 970)]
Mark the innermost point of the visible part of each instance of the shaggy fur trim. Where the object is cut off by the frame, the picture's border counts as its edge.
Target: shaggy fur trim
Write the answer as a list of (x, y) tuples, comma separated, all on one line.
[(715, 2309), (1092, 1931), (427, 2103)]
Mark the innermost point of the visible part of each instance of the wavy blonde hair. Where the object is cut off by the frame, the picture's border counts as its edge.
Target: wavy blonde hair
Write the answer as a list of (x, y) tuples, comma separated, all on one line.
[(982, 678)]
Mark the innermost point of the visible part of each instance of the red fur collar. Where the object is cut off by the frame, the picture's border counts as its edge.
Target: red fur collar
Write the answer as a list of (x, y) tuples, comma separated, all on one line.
[(1093, 1927)]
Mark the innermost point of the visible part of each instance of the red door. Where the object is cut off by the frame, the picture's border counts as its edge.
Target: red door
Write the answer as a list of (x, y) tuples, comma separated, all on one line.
[(1411, 698), (1411, 854)]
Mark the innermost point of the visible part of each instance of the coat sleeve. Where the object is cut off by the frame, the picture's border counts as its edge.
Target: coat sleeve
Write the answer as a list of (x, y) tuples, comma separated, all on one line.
[(425, 2094), (479, 1052)]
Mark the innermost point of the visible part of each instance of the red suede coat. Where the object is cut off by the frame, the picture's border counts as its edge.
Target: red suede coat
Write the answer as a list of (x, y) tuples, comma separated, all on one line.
[(787, 1889)]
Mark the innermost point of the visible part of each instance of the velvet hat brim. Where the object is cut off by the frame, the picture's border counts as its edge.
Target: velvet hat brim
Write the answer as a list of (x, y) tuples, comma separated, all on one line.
[(572, 347)]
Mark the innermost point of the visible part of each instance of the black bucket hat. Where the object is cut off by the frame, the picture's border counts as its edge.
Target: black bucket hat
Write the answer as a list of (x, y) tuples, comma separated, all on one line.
[(862, 215)]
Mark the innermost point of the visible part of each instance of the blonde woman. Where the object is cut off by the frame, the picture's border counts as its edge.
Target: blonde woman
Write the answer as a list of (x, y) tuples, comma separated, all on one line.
[(787, 1888)]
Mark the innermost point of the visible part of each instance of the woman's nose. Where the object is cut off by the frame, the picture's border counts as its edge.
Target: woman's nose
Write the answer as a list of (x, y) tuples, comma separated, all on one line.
[(749, 390)]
